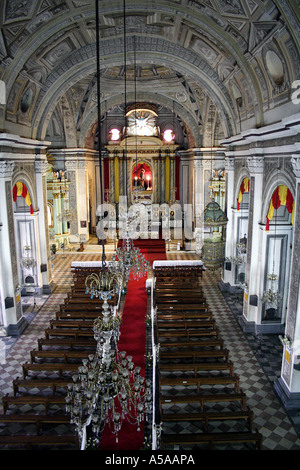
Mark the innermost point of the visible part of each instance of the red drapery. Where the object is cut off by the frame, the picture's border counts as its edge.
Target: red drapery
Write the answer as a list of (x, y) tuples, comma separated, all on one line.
[(20, 189)]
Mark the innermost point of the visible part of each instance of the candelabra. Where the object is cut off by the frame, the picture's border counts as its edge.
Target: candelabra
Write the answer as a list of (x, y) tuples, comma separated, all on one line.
[(27, 261), (107, 390), (271, 296)]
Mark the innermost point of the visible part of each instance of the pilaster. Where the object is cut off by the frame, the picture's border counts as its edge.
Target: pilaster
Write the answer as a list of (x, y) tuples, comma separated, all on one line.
[(42, 229), (255, 166), (288, 385), (13, 320), (228, 270)]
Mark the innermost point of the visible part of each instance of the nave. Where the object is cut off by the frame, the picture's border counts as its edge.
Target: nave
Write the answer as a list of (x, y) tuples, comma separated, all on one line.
[(276, 427)]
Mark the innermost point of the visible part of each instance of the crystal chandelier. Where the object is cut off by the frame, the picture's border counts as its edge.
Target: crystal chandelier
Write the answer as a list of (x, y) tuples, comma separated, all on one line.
[(271, 296), (129, 260), (107, 390), (108, 387), (27, 262)]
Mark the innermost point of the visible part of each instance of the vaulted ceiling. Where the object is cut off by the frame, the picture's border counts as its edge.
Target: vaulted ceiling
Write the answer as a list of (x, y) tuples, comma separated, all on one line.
[(218, 66)]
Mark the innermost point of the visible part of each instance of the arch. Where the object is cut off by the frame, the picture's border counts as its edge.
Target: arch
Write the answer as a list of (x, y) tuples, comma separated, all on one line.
[(187, 118), (196, 19), (244, 188), (281, 196), (20, 189), (66, 75)]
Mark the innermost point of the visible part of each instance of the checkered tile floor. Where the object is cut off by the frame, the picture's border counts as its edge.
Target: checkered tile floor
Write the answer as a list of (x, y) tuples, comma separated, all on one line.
[(254, 359)]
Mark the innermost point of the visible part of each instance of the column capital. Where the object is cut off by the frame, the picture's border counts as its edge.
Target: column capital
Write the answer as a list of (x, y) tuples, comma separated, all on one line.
[(255, 165), (6, 169), (198, 164), (71, 165), (41, 166), (229, 163), (81, 164), (295, 161)]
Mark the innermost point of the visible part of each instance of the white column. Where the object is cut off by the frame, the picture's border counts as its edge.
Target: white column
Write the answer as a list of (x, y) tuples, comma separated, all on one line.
[(229, 274), (42, 229), (13, 319), (82, 201), (71, 170), (253, 258), (288, 385), (198, 192)]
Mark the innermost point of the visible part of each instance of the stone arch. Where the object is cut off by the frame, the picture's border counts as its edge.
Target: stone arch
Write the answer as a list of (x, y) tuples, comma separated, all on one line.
[(67, 75), (189, 120)]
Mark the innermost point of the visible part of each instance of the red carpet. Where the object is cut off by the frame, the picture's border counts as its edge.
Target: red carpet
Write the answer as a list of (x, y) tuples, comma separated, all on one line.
[(133, 340)]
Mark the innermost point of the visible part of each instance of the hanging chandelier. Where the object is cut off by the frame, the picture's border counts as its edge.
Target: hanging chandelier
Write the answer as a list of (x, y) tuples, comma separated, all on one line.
[(271, 296), (108, 388), (128, 259), (27, 262)]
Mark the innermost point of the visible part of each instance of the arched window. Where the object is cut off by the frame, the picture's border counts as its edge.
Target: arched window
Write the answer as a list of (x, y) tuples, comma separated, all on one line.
[(282, 196)]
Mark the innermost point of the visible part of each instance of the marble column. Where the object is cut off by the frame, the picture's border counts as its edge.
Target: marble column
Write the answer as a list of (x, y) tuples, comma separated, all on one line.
[(13, 320), (71, 169), (82, 197), (228, 275), (253, 258), (288, 385), (42, 229)]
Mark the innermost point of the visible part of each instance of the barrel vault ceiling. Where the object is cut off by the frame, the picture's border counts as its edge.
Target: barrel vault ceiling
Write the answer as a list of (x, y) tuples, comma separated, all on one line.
[(218, 66)]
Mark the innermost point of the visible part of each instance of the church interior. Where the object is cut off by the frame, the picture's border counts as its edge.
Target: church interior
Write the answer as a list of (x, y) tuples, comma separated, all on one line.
[(150, 226)]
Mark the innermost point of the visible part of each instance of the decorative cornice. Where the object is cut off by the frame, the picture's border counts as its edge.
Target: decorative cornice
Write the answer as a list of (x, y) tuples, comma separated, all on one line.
[(6, 169), (255, 165)]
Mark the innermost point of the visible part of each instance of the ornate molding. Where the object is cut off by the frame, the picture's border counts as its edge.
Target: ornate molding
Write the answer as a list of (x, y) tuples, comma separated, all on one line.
[(40, 166), (71, 165), (295, 161), (81, 164), (255, 165), (229, 163), (198, 164), (6, 169)]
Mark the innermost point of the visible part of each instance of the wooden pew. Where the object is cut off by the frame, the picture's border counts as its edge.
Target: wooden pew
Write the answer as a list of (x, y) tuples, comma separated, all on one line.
[(50, 332), (184, 316), (79, 307), (200, 400), (30, 442), (194, 355), (53, 384), (75, 315), (187, 334), (212, 439), (182, 307), (64, 355), (60, 368), (208, 416), (196, 368), (190, 345), (186, 299), (186, 324), (79, 324), (67, 343), (37, 419), (199, 381), (33, 400)]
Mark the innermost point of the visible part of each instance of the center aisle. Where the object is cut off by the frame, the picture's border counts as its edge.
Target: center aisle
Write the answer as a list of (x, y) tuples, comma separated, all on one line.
[(133, 341)]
